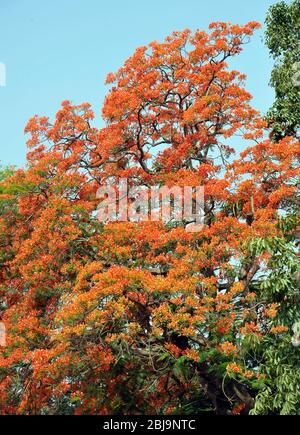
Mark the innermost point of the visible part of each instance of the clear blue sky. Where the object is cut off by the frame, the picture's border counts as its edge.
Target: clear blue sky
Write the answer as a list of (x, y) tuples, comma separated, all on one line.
[(63, 49)]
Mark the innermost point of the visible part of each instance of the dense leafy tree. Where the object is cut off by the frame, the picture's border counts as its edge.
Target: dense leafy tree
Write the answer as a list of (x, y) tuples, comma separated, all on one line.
[(282, 38), (281, 394), (146, 317)]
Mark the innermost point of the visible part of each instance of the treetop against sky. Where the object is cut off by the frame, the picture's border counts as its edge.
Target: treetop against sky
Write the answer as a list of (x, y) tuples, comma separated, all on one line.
[(64, 50)]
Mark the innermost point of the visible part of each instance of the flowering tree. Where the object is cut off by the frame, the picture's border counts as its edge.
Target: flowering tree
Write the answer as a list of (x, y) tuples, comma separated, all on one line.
[(146, 317)]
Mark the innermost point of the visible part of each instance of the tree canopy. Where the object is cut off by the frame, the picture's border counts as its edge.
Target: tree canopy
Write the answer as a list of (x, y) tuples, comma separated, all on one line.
[(146, 317), (282, 39)]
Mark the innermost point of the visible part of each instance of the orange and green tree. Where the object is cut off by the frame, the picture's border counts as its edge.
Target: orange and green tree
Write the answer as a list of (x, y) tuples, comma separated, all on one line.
[(146, 317)]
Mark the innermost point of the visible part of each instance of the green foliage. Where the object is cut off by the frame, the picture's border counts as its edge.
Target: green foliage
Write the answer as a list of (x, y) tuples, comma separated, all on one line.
[(280, 393), (6, 204), (282, 39), (5, 172)]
